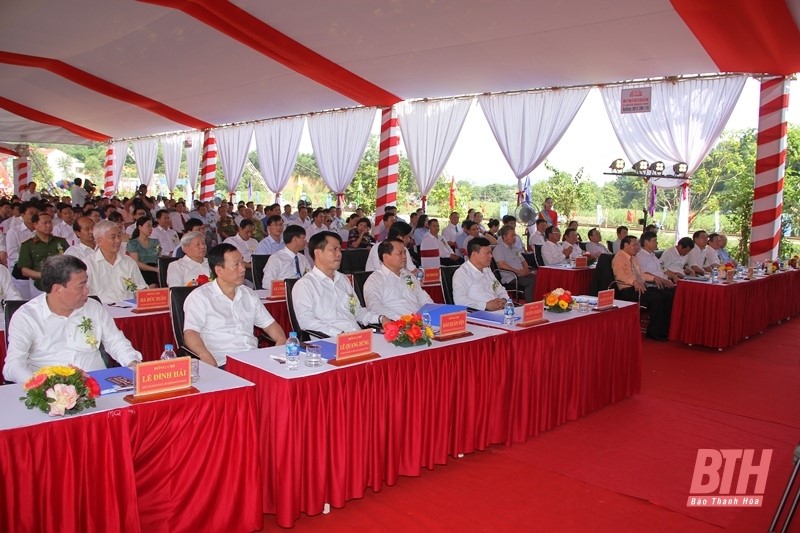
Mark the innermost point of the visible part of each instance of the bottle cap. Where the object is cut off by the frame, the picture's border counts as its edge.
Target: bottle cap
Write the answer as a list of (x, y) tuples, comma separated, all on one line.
[(292, 334), (167, 347)]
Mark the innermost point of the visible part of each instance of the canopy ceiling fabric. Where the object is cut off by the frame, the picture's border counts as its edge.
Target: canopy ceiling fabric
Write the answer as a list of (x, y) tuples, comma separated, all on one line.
[(98, 69)]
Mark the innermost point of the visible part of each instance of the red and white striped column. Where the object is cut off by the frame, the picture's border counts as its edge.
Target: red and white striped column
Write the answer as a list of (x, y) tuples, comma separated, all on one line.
[(109, 185), (208, 168), (770, 169), (21, 169), (388, 163)]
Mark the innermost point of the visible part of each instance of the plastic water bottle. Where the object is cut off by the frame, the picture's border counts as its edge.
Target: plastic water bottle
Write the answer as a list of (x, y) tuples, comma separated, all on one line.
[(714, 275), (420, 275), (168, 352), (292, 352), (508, 313)]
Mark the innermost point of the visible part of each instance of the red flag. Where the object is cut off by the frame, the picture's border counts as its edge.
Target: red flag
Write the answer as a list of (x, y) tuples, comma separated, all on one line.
[(452, 193), (630, 215)]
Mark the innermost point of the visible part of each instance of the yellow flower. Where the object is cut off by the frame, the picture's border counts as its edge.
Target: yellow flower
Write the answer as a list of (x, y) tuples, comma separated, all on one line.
[(406, 318), (562, 304), (57, 371), (551, 300), (429, 332)]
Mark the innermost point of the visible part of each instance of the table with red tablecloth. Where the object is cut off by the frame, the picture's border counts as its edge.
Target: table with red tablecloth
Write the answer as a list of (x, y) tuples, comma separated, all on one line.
[(182, 464), (720, 315), (575, 280), (328, 435)]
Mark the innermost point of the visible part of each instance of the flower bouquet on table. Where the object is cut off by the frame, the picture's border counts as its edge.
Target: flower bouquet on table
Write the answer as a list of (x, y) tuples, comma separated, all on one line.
[(409, 330), (794, 262), (558, 301), (60, 390), (725, 268)]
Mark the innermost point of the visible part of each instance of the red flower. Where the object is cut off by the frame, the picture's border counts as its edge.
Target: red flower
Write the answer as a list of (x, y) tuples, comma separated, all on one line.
[(414, 333), (566, 297), (391, 331), (202, 279), (35, 381), (94, 388)]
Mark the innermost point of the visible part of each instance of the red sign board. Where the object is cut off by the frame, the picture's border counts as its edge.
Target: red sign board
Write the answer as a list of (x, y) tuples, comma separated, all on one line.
[(163, 375), (277, 290), (152, 300), (533, 313), (605, 299), (431, 276), (453, 324), (356, 344), (581, 262)]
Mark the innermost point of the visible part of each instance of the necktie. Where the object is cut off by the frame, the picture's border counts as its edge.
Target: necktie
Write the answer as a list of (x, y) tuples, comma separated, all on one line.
[(297, 266)]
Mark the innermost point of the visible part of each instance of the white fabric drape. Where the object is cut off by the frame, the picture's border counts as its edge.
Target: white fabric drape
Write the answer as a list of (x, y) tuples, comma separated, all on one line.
[(528, 126), (193, 155), (277, 142), (685, 121), (430, 130), (145, 151), (172, 146), (339, 140), (232, 145), (120, 154)]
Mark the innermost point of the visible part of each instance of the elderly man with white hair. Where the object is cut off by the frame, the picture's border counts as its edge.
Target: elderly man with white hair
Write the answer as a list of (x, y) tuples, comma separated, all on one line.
[(112, 277), (186, 270)]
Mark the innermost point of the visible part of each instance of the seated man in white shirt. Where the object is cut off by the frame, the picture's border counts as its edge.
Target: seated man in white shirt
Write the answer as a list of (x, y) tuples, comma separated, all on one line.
[(622, 232), (594, 247), (474, 284), (63, 228), (289, 261), (392, 290), (219, 316), (571, 242), (451, 231), (712, 251), (324, 300), (167, 237), (673, 260), (537, 237), (273, 240), (186, 270), (649, 263), (553, 252), (447, 255), (246, 244), (697, 260), (113, 277), (63, 326)]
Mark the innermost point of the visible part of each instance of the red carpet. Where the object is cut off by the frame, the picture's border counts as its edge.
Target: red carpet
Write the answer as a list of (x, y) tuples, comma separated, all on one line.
[(627, 467)]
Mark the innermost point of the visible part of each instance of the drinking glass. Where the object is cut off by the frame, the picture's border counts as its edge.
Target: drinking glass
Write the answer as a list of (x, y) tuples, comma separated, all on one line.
[(313, 355)]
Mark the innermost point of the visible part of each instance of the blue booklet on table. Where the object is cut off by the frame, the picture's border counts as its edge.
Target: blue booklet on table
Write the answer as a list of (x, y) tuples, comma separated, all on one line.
[(437, 310), (490, 316), (113, 380)]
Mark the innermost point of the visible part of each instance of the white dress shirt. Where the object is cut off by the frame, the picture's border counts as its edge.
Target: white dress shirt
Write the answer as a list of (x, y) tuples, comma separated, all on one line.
[(14, 239), (7, 289), (576, 249), (673, 261), (246, 247), (167, 238), (178, 219), (553, 253), (323, 304), (10, 222), (37, 337), (711, 256), (386, 293), (374, 263), (536, 238), (450, 232), (648, 262), (106, 281), (65, 231), (280, 265), (269, 246), (186, 269), (80, 250), (441, 243), (473, 287), (595, 248), (225, 325), (697, 257)]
